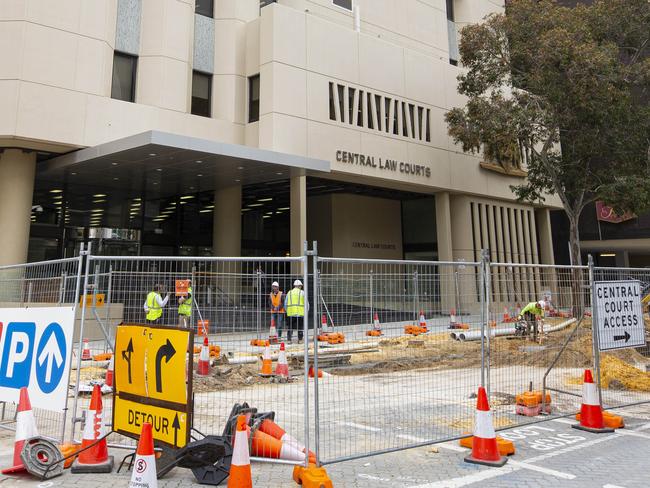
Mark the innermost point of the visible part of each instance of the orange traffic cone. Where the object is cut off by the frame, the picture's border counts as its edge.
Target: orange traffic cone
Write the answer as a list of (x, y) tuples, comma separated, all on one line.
[(376, 325), (282, 367), (240, 467), (484, 445), (94, 459), (203, 368), (274, 430), (25, 429), (273, 332), (311, 373), (267, 446), (109, 373), (423, 321), (144, 466), (323, 324), (591, 413), (85, 353), (452, 319), (267, 363)]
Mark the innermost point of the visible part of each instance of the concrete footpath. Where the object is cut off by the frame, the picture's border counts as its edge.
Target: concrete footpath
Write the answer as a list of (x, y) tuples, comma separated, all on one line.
[(548, 454)]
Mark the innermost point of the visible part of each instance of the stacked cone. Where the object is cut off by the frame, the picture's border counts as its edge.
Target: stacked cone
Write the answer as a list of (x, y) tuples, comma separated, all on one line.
[(203, 367), (266, 446), (94, 459), (25, 429), (273, 332), (484, 444), (267, 362), (282, 367), (110, 372), (591, 413), (85, 352), (274, 430), (144, 466), (240, 467)]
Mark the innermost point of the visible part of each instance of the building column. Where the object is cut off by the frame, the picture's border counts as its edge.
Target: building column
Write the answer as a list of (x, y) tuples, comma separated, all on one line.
[(17, 170), (226, 236), (448, 289), (543, 218), (298, 214)]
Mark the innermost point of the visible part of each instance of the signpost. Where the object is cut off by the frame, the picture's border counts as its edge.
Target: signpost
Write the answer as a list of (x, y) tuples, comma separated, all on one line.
[(618, 314), (153, 382), (35, 351)]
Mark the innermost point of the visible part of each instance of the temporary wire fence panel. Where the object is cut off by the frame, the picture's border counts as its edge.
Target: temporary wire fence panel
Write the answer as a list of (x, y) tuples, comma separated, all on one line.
[(45, 284), (401, 381), (231, 303), (529, 355)]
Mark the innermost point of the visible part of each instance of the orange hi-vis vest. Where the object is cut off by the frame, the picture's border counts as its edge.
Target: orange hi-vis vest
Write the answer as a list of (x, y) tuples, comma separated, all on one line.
[(276, 300)]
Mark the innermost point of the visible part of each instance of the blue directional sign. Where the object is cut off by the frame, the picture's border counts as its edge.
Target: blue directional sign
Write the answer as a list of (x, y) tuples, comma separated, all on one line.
[(36, 346)]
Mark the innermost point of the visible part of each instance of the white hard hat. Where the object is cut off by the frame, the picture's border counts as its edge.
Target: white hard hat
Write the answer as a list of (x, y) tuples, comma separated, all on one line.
[(297, 283), (542, 304), (275, 283)]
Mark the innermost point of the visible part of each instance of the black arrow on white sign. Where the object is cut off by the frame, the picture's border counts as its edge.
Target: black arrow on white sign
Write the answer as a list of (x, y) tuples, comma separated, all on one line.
[(126, 355), (625, 336), (166, 351)]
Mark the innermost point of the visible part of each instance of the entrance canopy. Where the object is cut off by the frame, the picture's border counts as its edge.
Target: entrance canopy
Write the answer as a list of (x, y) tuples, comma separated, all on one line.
[(161, 164)]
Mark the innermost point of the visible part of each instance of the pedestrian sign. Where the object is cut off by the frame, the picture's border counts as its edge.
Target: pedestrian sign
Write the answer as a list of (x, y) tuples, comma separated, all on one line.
[(36, 348), (618, 314), (168, 425), (151, 362), (153, 381)]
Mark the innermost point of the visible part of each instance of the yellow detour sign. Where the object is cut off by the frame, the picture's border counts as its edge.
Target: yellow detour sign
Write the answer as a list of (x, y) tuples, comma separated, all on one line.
[(99, 300), (168, 426), (153, 378)]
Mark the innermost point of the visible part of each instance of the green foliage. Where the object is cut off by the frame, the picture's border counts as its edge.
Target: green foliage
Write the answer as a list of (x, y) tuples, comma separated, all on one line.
[(571, 87)]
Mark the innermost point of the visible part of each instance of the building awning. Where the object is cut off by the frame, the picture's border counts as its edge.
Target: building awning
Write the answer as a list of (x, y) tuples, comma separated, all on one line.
[(163, 164)]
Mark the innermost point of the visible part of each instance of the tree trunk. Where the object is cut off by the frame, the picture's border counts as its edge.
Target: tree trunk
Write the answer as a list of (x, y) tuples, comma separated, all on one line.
[(577, 275)]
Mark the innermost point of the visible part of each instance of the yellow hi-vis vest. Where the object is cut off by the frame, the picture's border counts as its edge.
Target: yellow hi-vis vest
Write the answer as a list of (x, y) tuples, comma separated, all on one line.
[(296, 303), (185, 308), (155, 311)]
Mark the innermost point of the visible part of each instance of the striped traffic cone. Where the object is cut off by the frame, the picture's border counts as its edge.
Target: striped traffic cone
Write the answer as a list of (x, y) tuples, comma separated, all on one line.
[(376, 324), (273, 332), (25, 429), (93, 459), (267, 362), (423, 322), (203, 368), (85, 353), (591, 413), (144, 466), (282, 367), (274, 430), (109, 372), (484, 445), (266, 446), (240, 467), (452, 319), (323, 324)]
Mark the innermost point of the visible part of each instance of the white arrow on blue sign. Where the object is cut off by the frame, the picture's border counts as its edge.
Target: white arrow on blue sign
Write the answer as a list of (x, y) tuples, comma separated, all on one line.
[(36, 347)]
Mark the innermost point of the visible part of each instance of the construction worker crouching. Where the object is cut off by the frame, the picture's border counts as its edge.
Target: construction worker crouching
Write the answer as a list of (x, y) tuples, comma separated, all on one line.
[(185, 308), (154, 304), (277, 308), (294, 304), (533, 313)]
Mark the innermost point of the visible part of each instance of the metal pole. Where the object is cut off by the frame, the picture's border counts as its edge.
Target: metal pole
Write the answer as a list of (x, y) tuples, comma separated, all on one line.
[(305, 272), (415, 295), (259, 302), (594, 328), (107, 302), (81, 330), (372, 308), (29, 291), (486, 325), (62, 287), (482, 303), (316, 278), (195, 293)]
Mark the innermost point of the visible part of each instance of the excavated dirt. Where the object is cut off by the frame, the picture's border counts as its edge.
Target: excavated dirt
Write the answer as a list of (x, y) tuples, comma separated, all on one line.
[(229, 378)]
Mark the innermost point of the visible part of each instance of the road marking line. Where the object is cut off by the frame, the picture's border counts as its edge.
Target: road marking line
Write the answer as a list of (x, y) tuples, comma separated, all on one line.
[(407, 437), (643, 427), (612, 486), (633, 433), (359, 426), (564, 421), (540, 469), (472, 478), (575, 447), (453, 447)]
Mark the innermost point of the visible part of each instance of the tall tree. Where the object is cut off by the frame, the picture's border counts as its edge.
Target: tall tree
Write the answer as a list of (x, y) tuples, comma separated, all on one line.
[(564, 90)]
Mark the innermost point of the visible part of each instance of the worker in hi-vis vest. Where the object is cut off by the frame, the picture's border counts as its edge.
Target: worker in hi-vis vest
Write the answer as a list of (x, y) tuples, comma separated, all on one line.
[(185, 308), (295, 306), (153, 305), (277, 308)]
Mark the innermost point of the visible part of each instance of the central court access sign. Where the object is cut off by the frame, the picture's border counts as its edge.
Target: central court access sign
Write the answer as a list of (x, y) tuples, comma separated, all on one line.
[(618, 314), (153, 382)]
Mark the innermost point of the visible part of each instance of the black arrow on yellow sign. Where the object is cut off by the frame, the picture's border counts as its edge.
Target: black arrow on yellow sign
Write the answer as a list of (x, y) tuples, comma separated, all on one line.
[(127, 357), (176, 425), (166, 351)]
